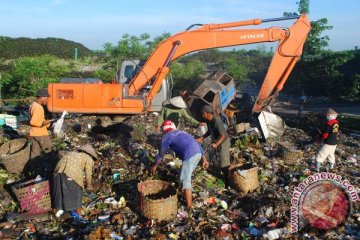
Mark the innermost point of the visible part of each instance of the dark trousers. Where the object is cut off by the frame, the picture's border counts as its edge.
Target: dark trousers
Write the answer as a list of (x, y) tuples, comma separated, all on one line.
[(40, 144), (67, 194)]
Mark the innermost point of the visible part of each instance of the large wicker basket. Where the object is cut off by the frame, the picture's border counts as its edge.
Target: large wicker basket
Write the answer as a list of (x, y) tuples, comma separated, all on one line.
[(244, 177), (4, 148), (158, 200), (15, 163), (33, 196), (17, 144), (292, 156)]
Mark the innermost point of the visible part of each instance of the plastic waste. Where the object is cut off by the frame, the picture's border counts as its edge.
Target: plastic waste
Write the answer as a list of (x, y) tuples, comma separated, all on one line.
[(111, 201), (253, 231), (202, 130), (182, 214), (116, 176), (38, 179), (275, 234), (210, 200), (352, 158), (59, 213), (173, 236), (122, 202), (223, 204), (59, 123), (130, 231), (77, 217), (116, 237), (226, 227)]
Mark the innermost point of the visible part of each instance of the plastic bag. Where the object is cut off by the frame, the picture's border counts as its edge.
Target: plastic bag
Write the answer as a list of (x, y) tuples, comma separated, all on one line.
[(58, 124)]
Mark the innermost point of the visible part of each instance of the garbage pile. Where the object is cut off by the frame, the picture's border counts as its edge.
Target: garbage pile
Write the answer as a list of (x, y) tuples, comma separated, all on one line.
[(126, 151)]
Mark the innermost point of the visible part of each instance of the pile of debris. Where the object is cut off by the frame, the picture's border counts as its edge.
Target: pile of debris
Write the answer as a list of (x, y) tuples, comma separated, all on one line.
[(126, 151)]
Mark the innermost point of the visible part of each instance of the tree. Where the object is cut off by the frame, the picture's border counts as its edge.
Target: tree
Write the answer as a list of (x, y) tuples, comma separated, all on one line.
[(187, 76), (238, 71), (29, 74), (315, 42)]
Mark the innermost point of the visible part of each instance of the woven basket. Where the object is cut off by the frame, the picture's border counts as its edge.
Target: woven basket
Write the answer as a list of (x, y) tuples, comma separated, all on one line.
[(17, 144), (158, 200), (245, 181), (292, 156), (4, 149), (15, 163), (33, 196)]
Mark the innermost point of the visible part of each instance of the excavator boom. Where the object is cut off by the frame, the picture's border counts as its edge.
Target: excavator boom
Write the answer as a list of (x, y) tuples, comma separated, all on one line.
[(121, 98), (209, 36)]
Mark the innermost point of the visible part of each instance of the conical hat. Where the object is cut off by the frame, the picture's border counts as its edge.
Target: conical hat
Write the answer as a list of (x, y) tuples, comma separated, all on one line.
[(331, 112), (89, 150), (178, 102)]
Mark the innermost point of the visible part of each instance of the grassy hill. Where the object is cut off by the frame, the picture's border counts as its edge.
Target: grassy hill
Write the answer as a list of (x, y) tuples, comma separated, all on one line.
[(12, 48)]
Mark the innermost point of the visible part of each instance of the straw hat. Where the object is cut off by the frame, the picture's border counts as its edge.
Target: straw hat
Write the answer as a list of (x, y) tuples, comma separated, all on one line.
[(88, 149), (178, 102), (331, 112)]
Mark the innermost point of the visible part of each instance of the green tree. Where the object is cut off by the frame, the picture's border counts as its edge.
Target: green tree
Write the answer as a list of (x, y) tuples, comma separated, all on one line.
[(133, 47), (316, 41), (32, 73), (186, 76), (238, 71)]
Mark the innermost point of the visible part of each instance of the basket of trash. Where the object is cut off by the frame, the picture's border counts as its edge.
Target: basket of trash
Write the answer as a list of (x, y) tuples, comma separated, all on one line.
[(244, 177), (33, 196), (292, 156), (158, 200), (17, 156)]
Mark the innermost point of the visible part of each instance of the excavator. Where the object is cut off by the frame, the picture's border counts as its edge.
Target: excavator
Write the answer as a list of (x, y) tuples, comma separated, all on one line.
[(119, 98)]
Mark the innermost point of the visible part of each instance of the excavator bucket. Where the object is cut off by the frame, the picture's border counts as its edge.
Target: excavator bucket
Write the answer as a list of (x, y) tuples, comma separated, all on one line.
[(272, 125)]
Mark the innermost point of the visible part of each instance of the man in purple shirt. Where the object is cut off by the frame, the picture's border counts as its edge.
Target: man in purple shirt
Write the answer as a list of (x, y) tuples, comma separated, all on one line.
[(185, 148)]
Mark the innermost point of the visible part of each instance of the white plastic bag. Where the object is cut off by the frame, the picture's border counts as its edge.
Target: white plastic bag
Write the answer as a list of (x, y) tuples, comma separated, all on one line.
[(59, 123)]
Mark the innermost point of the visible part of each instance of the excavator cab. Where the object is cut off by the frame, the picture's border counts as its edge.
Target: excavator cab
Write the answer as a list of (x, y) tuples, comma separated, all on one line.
[(129, 69)]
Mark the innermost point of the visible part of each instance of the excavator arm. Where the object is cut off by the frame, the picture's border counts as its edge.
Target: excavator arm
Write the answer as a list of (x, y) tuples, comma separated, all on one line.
[(287, 53)]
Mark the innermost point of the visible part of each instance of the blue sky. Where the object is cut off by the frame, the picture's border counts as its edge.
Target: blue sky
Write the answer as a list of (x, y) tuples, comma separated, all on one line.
[(94, 23)]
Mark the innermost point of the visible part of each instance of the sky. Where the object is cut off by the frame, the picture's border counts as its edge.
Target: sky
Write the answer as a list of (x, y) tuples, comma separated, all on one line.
[(93, 23)]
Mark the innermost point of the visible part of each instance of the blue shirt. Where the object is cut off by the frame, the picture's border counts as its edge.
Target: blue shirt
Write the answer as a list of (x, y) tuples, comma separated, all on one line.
[(182, 143)]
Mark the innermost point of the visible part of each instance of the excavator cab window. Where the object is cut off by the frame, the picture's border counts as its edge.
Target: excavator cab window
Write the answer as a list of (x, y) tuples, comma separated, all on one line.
[(129, 72)]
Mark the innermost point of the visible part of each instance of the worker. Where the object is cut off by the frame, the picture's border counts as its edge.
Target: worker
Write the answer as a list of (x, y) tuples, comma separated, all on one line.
[(220, 141), (175, 109), (330, 137), (187, 149), (40, 140), (68, 181)]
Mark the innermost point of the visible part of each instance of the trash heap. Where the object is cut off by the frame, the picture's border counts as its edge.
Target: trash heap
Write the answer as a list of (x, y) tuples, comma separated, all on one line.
[(126, 151)]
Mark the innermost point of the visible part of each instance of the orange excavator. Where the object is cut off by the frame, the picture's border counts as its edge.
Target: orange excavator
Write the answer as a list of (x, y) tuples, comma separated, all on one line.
[(129, 98)]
